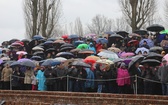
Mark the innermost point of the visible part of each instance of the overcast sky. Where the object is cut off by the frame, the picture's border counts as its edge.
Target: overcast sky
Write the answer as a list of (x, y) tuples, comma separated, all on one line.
[(12, 17)]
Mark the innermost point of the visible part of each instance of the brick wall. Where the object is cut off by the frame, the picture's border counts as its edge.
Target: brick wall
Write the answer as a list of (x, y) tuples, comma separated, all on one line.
[(74, 98)]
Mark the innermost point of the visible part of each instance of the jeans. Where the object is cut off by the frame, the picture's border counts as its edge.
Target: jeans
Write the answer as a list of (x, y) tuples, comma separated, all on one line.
[(100, 88), (164, 89)]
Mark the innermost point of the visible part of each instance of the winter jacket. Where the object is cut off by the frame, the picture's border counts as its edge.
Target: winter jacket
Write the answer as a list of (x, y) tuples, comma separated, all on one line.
[(5, 75), (28, 76), (123, 77)]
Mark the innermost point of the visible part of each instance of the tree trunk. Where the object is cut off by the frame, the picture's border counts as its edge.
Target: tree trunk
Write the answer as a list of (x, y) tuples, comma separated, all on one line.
[(134, 13), (35, 16), (44, 18)]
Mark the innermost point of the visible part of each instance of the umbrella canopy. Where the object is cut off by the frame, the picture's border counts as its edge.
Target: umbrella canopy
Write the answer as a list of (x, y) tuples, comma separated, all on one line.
[(141, 32), (127, 54), (86, 51), (38, 37), (89, 60), (134, 42), (15, 64), (51, 39), (48, 43), (80, 63), (13, 40), (21, 52), (149, 42), (59, 41), (50, 62), (164, 32), (24, 59), (108, 54), (151, 62), (28, 63), (142, 50), (75, 50), (25, 40), (153, 55), (82, 46), (134, 35), (16, 44), (5, 58), (114, 49), (73, 36), (127, 60), (93, 57), (65, 36), (65, 55), (37, 48), (105, 61), (38, 53), (135, 59), (109, 32), (155, 28), (37, 58), (156, 48), (61, 59), (66, 48), (66, 45), (122, 33), (50, 50), (166, 57), (102, 40), (116, 36)]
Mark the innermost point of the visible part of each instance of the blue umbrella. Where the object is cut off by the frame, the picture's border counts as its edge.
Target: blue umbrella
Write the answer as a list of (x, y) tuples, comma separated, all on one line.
[(102, 40), (37, 37), (15, 64), (109, 32), (73, 36), (76, 43), (48, 42), (50, 62), (149, 42), (37, 58), (142, 49)]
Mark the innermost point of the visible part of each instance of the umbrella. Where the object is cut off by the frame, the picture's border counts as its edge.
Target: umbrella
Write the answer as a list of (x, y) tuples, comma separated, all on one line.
[(66, 48), (114, 49), (80, 63), (9, 62), (28, 63), (65, 54), (82, 46), (127, 60), (1, 61), (51, 39), (122, 33), (151, 62), (134, 35), (102, 40), (15, 64), (50, 62), (50, 50), (66, 45), (48, 43), (37, 48), (105, 61), (5, 58), (116, 36), (73, 36), (109, 32), (134, 42), (16, 44), (155, 28), (75, 50), (93, 57), (128, 54), (25, 40), (156, 48), (3, 55), (76, 43), (142, 50), (86, 51), (89, 60), (141, 32), (5, 49), (166, 57), (153, 55), (24, 59), (164, 32), (21, 52), (135, 59), (65, 36), (38, 53), (61, 59), (59, 41), (148, 41), (13, 40), (37, 58), (38, 37), (108, 54)]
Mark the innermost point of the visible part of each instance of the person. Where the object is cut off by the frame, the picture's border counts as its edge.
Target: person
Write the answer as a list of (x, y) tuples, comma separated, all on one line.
[(5, 76), (28, 78), (123, 79), (145, 44), (41, 79), (89, 83), (163, 76), (91, 47)]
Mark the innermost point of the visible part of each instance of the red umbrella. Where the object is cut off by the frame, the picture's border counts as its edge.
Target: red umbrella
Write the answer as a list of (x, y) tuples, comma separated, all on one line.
[(128, 54), (20, 42), (89, 60), (135, 42), (65, 36)]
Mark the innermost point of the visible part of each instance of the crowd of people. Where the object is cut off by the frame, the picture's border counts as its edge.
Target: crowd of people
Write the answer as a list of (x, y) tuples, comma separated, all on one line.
[(113, 63)]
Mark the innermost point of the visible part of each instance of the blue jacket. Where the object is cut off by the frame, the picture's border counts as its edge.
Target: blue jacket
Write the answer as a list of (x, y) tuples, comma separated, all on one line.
[(90, 75)]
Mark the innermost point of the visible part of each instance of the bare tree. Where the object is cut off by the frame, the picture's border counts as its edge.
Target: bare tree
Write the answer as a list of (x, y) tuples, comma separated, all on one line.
[(78, 27), (99, 25), (137, 12), (42, 17)]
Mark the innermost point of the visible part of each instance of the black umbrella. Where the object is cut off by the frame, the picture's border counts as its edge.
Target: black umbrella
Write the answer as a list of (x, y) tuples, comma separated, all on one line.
[(135, 59), (155, 28), (153, 55), (65, 55), (66, 48), (66, 45), (116, 36), (156, 48), (37, 58), (141, 32), (122, 33), (25, 40), (38, 53), (80, 63), (50, 50), (151, 62)]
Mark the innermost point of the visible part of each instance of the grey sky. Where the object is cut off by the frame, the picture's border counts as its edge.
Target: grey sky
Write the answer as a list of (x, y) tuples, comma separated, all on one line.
[(12, 17)]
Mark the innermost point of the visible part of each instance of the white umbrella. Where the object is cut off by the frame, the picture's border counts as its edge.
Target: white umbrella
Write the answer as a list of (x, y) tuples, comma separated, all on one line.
[(37, 48), (108, 54), (21, 52), (61, 59)]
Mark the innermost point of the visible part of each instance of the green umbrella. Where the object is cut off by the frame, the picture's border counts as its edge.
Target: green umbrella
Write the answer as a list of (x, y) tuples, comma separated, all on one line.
[(164, 32), (82, 46)]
